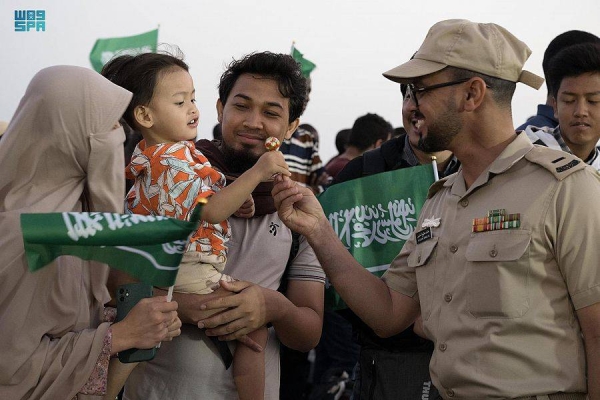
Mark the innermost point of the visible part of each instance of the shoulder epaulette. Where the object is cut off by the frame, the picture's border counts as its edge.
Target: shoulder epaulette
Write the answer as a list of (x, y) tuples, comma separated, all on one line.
[(559, 163), (437, 186)]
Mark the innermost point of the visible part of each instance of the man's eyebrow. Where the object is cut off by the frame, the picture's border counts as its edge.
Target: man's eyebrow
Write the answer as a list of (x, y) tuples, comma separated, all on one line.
[(243, 96), (268, 103), (568, 93), (274, 104)]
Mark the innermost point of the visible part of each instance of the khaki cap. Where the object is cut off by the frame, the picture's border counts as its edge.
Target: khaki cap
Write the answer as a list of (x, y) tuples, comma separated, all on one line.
[(485, 48)]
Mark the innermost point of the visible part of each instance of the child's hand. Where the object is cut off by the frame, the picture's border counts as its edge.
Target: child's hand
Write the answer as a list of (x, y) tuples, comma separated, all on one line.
[(247, 209), (269, 164)]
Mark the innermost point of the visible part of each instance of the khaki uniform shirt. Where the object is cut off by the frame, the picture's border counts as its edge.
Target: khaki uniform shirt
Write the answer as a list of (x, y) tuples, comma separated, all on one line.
[(500, 305)]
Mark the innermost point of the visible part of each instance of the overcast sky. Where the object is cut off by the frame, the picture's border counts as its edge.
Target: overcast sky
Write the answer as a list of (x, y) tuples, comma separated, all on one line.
[(352, 42)]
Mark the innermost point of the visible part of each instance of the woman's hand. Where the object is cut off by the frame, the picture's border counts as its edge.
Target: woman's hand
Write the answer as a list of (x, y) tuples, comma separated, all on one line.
[(151, 321)]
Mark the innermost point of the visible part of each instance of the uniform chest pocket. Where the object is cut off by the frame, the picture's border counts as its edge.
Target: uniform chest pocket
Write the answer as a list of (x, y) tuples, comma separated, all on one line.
[(498, 274), (423, 260)]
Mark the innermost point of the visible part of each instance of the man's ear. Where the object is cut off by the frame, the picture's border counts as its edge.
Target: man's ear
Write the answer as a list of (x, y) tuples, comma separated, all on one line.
[(475, 94), (554, 107), (292, 128), (143, 117), (219, 111)]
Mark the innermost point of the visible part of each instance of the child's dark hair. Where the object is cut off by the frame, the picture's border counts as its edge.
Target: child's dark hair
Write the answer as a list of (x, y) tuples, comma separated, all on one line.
[(279, 67), (139, 74), (573, 61)]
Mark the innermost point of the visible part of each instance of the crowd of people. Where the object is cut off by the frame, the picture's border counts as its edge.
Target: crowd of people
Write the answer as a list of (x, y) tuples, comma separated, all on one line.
[(495, 295)]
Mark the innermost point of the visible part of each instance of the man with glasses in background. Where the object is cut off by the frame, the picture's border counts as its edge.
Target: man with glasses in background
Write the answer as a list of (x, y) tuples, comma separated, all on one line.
[(502, 266)]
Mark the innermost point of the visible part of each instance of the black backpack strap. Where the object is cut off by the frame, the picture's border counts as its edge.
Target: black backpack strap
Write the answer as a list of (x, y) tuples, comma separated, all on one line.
[(373, 162), (384, 158)]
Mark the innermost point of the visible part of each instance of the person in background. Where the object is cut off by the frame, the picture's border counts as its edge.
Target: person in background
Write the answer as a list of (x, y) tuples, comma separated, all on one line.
[(301, 152), (545, 113), (575, 76), (341, 140), (63, 153), (399, 131), (312, 130), (217, 134), (368, 132), (503, 265)]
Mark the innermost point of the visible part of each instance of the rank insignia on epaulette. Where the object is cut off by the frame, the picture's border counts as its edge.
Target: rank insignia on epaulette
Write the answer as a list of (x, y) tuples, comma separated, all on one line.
[(496, 220), (567, 166)]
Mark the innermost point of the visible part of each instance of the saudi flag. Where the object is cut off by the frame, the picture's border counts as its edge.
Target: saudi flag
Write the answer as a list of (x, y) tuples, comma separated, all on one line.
[(149, 248), (373, 216), (306, 66), (105, 49)]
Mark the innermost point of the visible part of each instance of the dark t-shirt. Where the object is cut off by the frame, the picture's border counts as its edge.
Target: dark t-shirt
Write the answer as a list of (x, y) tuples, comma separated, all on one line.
[(334, 167)]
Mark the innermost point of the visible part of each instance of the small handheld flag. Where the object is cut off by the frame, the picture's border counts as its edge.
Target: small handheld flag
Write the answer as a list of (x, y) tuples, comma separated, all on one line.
[(306, 66), (149, 248)]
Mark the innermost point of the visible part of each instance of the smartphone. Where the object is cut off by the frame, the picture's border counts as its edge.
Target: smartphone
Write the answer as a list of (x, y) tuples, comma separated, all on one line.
[(127, 297)]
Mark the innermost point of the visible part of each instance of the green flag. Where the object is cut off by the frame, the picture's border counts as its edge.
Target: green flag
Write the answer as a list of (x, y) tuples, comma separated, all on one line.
[(147, 247), (374, 215), (105, 49), (306, 66)]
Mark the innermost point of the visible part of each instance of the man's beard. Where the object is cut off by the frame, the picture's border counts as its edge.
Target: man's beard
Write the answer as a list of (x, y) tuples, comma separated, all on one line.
[(441, 133), (238, 161)]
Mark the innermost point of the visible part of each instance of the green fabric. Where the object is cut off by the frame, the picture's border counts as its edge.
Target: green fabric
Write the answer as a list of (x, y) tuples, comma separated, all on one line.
[(374, 215), (105, 49), (148, 248), (306, 66)]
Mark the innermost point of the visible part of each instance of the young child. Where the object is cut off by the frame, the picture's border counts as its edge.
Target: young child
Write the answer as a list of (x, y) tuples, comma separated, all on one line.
[(171, 176)]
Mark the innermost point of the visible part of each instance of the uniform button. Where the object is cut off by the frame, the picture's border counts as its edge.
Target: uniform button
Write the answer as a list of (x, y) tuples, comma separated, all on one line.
[(448, 297), (450, 393), (443, 347), (464, 202), (453, 249), (493, 253)]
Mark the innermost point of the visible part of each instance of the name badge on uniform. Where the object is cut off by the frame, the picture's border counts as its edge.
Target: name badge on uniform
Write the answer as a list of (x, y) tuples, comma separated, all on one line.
[(423, 235)]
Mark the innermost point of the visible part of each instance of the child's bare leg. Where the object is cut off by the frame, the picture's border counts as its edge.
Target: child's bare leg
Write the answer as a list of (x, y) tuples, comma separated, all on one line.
[(249, 368)]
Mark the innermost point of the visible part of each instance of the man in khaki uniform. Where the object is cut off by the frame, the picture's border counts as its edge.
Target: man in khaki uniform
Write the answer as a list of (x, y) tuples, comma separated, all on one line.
[(503, 265)]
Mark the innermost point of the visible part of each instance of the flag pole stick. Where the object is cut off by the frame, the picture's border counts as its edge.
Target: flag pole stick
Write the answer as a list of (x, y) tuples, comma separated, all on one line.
[(435, 169), (169, 298)]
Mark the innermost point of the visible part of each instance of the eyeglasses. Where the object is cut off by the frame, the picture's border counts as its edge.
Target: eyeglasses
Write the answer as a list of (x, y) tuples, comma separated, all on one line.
[(412, 91)]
